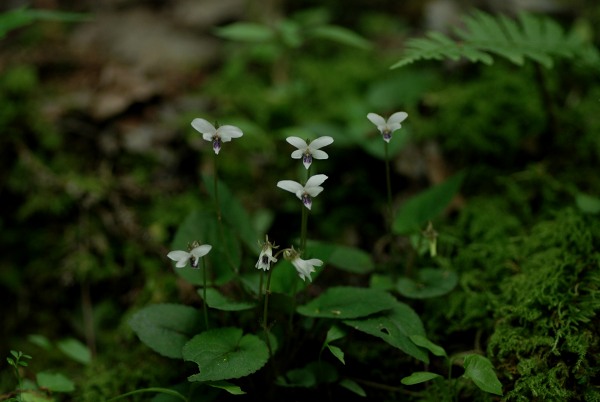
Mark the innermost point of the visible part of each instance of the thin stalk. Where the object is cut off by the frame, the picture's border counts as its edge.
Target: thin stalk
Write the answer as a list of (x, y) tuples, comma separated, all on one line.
[(204, 304), (260, 285), (216, 187), (265, 314), (233, 267), (389, 187), (303, 229), (155, 390)]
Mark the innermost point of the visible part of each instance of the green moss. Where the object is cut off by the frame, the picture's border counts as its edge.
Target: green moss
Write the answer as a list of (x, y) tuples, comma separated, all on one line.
[(546, 334)]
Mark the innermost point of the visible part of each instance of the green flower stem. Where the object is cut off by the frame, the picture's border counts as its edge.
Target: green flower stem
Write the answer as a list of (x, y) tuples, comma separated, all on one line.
[(154, 389), (265, 314), (218, 204), (219, 215), (303, 229), (389, 186), (204, 304), (260, 285)]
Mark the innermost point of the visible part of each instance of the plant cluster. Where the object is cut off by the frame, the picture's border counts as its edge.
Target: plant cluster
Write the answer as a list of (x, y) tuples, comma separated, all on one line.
[(347, 295)]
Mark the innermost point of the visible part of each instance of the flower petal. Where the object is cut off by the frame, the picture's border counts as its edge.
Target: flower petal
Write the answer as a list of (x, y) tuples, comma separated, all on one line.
[(318, 154), (290, 185), (313, 191), (180, 256), (320, 142), (376, 119), (397, 118), (297, 142), (204, 127), (228, 132), (297, 154), (201, 251), (315, 180), (207, 136)]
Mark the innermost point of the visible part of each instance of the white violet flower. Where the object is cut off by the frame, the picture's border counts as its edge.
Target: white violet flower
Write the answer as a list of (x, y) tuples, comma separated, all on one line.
[(305, 193), (196, 252), (310, 150), (303, 267), (266, 255), (387, 127), (216, 135)]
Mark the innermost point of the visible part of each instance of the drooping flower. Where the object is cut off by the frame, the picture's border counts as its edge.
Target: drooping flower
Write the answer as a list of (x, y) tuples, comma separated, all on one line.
[(310, 150), (196, 251), (387, 127), (266, 255), (303, 267), (216, 135), (305, 193)]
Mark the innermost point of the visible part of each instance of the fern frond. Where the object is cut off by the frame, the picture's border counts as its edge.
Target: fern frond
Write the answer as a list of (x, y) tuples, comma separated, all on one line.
[(530, 37)]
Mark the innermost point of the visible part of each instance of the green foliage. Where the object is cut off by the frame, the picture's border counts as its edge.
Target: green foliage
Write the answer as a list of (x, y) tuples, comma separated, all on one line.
[(540, 39), (479, 369), (166, 327), (225, 353), (395, 327), (22, 16), (419, 377), (496, 128), (546, 314), (426, 206), (428, 282), (343, 302)]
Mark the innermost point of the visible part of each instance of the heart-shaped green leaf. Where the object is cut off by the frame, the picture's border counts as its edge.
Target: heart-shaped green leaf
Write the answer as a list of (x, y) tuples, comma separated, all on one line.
[(55, 382), (479, 369), (395, 327), (216, 300), (346, 302), (165, 328), (430, 282), (426, 205), (225, 353)]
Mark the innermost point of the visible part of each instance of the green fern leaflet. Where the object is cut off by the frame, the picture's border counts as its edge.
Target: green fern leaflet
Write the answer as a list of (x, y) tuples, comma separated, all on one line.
[(530, 37)]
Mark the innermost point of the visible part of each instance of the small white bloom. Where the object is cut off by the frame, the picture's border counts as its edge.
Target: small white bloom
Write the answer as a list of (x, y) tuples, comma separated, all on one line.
[(182, 257), (305, 193), (310, 150), (303, 267), (266, 255), (387, 127), (216, 135)]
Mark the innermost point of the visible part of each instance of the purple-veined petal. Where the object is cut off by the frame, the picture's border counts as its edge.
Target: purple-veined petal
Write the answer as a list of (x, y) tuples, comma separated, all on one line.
[(307, 160), (320, 143), (297, 142), (204, 127), (306, 200)]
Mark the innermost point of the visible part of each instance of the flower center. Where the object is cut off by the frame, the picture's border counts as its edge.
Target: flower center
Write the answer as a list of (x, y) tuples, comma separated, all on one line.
[(194, 262), (216, 143), (307, 158), (306, 200)]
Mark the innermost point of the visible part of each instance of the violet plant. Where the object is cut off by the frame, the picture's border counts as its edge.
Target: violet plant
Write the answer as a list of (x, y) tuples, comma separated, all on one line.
[(232, 350)]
